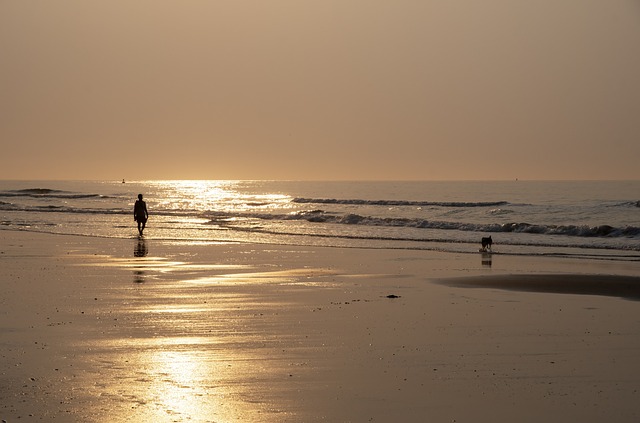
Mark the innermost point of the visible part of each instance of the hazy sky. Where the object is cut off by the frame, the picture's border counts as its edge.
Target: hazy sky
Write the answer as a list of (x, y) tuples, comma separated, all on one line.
[(322, 89)]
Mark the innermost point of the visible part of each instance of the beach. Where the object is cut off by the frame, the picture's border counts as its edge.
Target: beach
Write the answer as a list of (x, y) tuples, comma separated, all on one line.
[(106, 329)]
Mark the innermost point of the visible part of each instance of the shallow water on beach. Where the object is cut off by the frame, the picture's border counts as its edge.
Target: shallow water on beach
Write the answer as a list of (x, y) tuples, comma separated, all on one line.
[(589, 219), (235, 333)]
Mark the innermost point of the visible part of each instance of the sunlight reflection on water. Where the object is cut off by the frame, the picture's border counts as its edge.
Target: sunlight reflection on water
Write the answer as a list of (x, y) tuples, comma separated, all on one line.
[(179, 349), (225, 196)]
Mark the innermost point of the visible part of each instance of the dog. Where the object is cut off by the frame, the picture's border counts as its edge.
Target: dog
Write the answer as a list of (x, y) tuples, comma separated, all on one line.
[(486, 243)]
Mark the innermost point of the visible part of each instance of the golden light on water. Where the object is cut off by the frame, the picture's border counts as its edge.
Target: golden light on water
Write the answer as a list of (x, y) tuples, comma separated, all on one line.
[(187, 341), (213, 196), (174, 379), (281, 277), (176, 387)]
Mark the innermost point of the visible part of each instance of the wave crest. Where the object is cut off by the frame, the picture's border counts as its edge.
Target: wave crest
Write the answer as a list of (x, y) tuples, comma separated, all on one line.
[(399, 202), (320, 216), (46, 193)]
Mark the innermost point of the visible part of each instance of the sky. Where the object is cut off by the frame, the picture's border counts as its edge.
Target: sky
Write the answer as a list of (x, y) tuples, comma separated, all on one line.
[(320, 90)]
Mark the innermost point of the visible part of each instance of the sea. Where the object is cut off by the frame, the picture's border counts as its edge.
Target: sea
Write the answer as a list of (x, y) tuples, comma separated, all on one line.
[(578, 219)]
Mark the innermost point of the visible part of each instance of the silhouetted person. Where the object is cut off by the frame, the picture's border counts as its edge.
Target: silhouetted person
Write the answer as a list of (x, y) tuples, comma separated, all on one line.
[(140, 213)]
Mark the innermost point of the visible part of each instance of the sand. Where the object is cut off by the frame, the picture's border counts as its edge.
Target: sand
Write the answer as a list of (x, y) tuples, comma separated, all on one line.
[(124, 330)]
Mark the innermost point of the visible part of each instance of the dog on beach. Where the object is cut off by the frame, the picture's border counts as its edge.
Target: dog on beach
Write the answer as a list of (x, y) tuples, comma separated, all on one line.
[(486, 243)]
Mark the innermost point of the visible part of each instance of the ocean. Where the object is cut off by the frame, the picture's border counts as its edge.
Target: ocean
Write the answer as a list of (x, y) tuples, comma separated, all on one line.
[(586, 219)]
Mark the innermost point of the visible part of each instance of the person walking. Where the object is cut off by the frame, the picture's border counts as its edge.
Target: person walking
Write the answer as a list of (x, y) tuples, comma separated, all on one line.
[(140, 213)]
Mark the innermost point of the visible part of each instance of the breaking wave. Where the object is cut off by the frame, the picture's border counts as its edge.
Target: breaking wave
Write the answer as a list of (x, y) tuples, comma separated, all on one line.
[(320, 216), (400, 202), (323, 217), (46, 193)]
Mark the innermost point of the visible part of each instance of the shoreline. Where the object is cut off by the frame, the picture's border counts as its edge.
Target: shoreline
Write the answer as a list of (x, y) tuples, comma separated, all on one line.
[(125, 330)]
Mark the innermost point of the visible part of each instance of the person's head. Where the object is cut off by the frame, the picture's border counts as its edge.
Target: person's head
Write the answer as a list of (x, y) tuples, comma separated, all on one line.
[(139, 196)]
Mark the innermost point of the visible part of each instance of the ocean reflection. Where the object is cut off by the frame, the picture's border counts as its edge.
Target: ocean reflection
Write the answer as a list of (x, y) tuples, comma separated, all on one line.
[(221, 196), (177, 385), (196, 345), (191, 378)]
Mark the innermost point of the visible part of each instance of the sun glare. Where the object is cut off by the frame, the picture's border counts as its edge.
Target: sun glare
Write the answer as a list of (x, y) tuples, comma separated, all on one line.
[(178, 388), (214, 196)]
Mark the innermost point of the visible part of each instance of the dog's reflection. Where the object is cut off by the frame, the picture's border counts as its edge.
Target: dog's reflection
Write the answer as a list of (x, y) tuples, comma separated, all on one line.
[(486, 259)]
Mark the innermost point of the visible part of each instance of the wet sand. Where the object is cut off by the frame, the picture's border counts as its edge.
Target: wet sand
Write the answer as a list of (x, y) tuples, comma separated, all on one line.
[(627, 287), (98, 330)]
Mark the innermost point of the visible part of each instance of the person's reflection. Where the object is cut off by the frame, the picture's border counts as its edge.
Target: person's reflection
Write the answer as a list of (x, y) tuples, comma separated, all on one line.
[(140, 250), (138, 276)]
